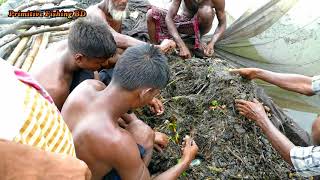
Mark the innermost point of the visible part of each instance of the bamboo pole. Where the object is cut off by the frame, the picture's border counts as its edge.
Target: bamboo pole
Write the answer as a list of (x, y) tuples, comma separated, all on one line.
[(24, 54), (6, 50), (42, 48), (60, 33), (33, 52), (18, 50), (38, 31)]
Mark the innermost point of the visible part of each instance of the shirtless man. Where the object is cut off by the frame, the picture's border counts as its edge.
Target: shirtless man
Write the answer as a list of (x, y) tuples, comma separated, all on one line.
[(304, 159), (113, 12), (196, 19), (90, 44), (92, 111)]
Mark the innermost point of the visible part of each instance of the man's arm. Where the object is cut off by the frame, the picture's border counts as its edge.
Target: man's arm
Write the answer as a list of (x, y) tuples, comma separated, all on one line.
[(255, 111), (20, 161), (172, 12), (291, 82), (122, 41), (126, 160), (304, 159), (221, 16)]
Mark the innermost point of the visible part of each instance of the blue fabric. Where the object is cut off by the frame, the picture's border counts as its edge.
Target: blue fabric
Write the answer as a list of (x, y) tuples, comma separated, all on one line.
[(113, 175)]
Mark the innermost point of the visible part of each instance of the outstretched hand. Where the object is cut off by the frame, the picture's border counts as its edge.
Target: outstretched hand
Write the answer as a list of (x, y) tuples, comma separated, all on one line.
[(248, 73)]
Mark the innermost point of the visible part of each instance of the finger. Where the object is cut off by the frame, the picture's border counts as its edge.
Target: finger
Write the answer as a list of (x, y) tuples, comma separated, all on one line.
[(244, 109), (161, 106), (234, 71), (255, 100), (158, 148), (240, 106), (240, 101), (156, 107), (152, 109)]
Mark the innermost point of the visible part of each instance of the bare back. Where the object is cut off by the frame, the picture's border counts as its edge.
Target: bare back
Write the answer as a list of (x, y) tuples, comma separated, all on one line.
[(49, 72), (98, 139), (101, 11)]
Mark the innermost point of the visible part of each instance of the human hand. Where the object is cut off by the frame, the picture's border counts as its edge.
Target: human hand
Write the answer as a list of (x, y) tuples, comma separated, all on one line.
[(156, 106), (167, 45), (190, 149), (248, 73), (184, 52), (209, 50), (252, 110), (161, 141)]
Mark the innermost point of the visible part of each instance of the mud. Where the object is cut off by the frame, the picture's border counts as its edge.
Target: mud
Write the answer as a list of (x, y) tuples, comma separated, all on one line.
[(199, 101)]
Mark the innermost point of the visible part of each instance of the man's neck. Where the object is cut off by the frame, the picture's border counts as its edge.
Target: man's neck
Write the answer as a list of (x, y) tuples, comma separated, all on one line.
[(116, 100), (68, 62)]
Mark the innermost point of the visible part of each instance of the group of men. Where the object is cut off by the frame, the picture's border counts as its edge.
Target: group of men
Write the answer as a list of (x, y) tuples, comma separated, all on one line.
[(78, 102)]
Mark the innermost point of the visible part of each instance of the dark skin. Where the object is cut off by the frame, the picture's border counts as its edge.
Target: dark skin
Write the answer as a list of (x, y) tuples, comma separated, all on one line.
[(38, 164), (102, 143), (56, 72), (255, 111), (123, 41), (204, 10), (291, 82)]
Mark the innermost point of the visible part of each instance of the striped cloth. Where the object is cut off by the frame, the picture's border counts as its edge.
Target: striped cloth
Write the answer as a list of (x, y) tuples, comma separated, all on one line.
[(316, 84), (306, 160), (44, 127), (29, 115)]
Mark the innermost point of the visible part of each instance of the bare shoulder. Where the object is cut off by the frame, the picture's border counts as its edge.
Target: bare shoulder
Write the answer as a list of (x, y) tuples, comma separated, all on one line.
[(92, 84), (114, 144), (84, 92), (96, 10)]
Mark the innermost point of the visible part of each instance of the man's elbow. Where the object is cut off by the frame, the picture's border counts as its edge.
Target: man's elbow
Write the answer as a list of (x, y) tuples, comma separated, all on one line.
[(307, 90)]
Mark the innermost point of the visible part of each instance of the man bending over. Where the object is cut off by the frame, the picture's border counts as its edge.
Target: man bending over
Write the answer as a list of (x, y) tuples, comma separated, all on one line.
[(92, 111), (196, 20), (90, 44)]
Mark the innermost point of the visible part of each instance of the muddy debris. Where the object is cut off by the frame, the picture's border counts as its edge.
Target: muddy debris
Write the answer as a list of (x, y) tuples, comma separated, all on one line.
[(199, 101)]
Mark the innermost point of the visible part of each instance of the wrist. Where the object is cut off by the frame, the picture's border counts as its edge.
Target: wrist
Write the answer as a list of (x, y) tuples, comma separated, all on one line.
[(184, 164), (186, 161), (181, 45), (258, 73), (264, 123)]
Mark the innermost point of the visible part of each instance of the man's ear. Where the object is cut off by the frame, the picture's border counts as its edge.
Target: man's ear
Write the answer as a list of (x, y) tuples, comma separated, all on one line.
[(145, 92), (79, 58)]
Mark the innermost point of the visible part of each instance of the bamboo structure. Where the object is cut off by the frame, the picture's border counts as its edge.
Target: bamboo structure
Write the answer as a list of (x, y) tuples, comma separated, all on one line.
[(42, 48), (24, 54), (18, 50), (33, 52)]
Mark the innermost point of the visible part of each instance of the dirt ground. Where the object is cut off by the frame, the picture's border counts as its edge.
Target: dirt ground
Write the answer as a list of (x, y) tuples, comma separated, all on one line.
[(199, 101)]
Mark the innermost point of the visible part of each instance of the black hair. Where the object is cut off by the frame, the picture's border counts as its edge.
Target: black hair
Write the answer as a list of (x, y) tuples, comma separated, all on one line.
[(142, 66), (91, 37)]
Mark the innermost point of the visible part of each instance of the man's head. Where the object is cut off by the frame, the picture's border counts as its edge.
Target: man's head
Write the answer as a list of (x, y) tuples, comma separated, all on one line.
[(143, 71), (117, 9), (91, 43)]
